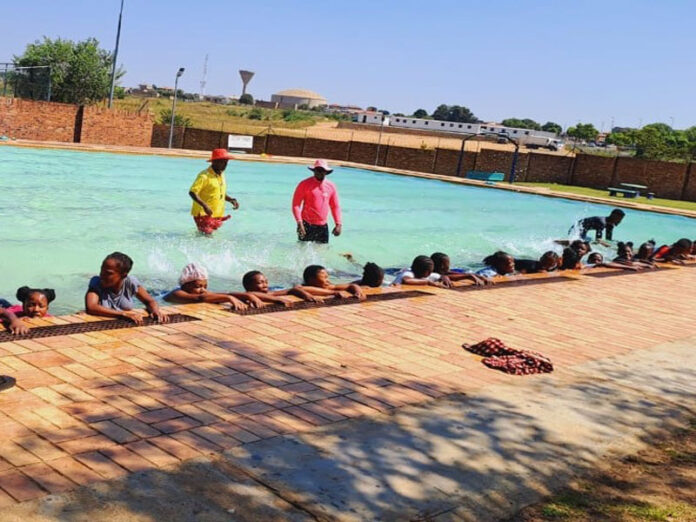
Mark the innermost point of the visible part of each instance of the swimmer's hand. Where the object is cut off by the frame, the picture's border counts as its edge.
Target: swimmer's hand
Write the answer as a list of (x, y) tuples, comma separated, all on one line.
[(301, 232), (446, 281), (236, 304), (255, 302), (134, 316), (17, 327), (234, 202), (159, 315), (357, 292)]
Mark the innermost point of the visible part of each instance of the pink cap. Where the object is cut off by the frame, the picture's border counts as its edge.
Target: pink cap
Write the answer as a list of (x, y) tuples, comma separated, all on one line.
[(321, 164)]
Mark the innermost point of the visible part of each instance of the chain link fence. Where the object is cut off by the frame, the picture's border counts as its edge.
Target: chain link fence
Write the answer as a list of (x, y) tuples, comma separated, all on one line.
[(25, 82)]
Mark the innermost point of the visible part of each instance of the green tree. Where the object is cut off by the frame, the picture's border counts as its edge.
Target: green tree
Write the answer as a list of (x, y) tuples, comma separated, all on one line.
[(420, 113), (550, 126), (246, 99), (165, 118), (456, 113), (80, 71), (583, 131), (521, 124)]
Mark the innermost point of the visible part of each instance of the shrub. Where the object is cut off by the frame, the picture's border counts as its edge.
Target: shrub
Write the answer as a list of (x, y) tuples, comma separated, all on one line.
[(165, 117), (255, 114), (246, 99)]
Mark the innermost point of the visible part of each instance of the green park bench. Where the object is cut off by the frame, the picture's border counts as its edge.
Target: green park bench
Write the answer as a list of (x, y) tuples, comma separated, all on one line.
[(480, 175), (613, 191)]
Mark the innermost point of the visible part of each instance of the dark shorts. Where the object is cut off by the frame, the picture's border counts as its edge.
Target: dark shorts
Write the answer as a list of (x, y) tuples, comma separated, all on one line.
[(316, 233)]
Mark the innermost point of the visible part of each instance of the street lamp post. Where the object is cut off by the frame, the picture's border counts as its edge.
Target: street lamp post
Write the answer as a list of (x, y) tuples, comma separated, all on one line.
[(113, 66), (171, 125)]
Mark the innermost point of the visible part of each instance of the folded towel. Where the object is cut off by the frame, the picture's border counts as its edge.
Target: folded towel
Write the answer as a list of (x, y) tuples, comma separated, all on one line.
[(509, 360)]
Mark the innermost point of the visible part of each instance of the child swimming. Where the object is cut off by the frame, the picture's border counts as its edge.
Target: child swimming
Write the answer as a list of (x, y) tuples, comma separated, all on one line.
[(372, 276), (256, 284), (193, 288), (420, 273), (111, 293), (498, 264), (677, 253), (548, 262), (34, 302), (441, 265), (316, 282)]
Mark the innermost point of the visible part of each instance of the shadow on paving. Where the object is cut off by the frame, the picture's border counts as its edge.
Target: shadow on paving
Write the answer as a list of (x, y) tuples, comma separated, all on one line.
[(479, 457)]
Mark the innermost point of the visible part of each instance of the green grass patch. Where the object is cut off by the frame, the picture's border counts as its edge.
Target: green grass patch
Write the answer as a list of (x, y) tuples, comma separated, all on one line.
[(647, 511), (584, 191)]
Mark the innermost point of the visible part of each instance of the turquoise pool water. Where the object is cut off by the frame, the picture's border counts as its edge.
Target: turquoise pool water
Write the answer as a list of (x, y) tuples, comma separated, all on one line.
[(63, 211)]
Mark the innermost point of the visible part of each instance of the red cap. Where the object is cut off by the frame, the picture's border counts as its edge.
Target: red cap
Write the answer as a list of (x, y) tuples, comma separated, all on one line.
[(220, 154)]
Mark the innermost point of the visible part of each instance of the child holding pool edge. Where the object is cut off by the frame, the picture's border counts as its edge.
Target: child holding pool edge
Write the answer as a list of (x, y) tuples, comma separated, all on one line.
[(441, 265), (193, 288), (421, 273), (10, 321), (111, 293), (498, 264), (256, 284), (34, 302), (316, 282)]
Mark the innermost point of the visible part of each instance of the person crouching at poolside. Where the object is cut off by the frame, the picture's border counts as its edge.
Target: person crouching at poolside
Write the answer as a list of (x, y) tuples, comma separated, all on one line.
[(317, 282), (548, 262), (111, 293), (441, 265), (372, 276), (34, 302), (499, 264), (421, 273), (209, 193), (677, 253), (256, 284), (193, 288)]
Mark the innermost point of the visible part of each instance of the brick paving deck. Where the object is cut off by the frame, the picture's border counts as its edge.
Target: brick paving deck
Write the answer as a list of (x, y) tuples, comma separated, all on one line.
[(97, 406)]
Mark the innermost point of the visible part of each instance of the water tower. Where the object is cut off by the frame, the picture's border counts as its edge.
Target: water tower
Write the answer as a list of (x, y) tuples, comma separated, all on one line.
[(246, 78)]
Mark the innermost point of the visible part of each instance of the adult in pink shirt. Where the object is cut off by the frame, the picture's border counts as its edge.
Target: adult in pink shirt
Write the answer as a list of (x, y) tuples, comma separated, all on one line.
[(311, 202)]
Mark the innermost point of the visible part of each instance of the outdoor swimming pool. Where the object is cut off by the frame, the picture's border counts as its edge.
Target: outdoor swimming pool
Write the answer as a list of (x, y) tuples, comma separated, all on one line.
[(62, 212)]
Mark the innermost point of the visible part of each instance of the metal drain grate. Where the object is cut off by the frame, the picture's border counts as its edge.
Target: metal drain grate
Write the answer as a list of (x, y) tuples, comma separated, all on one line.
[(515, 282), (304, 305), (95, 326)]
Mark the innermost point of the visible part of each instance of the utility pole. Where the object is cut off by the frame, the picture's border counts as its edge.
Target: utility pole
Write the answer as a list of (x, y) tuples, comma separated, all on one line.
[(205, 76), (113, 68)]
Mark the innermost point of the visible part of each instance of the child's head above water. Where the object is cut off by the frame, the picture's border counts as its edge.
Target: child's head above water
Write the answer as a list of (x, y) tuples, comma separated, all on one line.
[(441, 263), (373, 275), (502, 262), (422, 267), (255, 281), (581, 247), (571, 259), (646, 250), (682, 247), (316, 275), (194, 279), (549, 261), (35, 301), (625, 250), (114, 269), (595, 258), (616, 216)]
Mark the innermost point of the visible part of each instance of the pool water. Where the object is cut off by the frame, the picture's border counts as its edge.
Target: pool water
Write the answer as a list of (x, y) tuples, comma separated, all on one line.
[(63, 211)]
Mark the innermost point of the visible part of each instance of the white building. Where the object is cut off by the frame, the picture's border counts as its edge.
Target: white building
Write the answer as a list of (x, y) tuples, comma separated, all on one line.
[(293, 98), (465, 128), (371, 118)]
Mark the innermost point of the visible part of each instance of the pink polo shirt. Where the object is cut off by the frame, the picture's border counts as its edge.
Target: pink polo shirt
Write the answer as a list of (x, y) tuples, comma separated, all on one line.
[(312, 200)]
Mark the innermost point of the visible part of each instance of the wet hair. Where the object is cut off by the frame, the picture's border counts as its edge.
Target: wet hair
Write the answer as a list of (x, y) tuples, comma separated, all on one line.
[(571, 258), (617, 212), (248, 279), (496, 260), (125, 263), (595, 258), (684, 244), (575, 245), (311, 272), (623, 248), (421, 265), (373, 275), (24, 292), (646, 250), (438, 260), (549, 254)]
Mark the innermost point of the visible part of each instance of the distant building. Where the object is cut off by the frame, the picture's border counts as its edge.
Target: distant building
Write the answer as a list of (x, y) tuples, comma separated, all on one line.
[(144, 90), (371, 118), (344, 109), (293, 98)]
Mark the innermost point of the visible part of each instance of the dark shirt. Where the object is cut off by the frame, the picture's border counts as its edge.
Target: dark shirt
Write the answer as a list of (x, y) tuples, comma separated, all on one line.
[(596, 223)]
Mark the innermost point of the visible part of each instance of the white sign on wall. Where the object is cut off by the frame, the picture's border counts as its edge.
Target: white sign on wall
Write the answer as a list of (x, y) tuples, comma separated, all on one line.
[(238, 142)]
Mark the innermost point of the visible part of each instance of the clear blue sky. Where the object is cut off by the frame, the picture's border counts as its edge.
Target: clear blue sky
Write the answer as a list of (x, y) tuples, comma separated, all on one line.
[(588, 60)]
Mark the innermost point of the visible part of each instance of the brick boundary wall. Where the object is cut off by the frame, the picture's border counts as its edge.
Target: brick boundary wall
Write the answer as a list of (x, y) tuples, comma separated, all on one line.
[(50, 121), (665, 179)]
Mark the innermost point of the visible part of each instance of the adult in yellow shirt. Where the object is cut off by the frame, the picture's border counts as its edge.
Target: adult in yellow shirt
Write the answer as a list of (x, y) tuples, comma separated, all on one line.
[(209, 193)]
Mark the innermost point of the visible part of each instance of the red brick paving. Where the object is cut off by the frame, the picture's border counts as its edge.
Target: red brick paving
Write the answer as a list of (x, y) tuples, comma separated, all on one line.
[(99, 405)]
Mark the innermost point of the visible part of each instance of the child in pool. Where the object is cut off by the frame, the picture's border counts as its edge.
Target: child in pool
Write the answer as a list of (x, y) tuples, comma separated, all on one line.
[(10, 321), (194, 289), (256, 284), (421, 273), (677, 253), (596, 260), (34, 302), (548, 262), (111, 293), (373, 276), (646, 252), (498, 264), (317, 283), (441, 265)]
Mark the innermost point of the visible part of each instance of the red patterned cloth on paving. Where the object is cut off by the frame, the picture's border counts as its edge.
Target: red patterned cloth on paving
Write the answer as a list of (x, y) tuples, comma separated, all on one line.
[(208, 225), (509, 360)]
